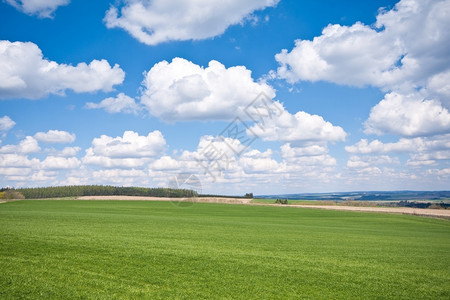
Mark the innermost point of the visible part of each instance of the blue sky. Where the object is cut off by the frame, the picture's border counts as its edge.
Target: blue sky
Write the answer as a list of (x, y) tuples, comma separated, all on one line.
[(354, 95)]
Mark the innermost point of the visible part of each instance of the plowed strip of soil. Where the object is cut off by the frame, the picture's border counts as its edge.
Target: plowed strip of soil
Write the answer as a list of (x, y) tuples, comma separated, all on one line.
[(196, 199), (443, 213)]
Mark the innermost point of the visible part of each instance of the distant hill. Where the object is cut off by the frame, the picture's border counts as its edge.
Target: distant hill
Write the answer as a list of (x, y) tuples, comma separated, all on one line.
[(365, 195)]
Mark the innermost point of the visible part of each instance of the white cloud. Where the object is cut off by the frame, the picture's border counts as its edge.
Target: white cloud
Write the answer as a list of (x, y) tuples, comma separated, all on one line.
[(419, 144), (42, 8), (16, 167), (299, 128), (119, 173), (120, 176), (309, 150), (41, 175), (370, 161), (66, 152), (24, 73), (255, 161), (376, 146), (435, 155), (12, 171), (133, 159), (217, 165), (59, 163), (439, 84), (213, 159), (419, 163), (408, 115), (166, 163), (404, 53), (121, 103), (423, 151), (27, 145), (130, 145), (440, 172), (338, 55), (426, 158), (6, 123), (129, 151), (407, 45), (156, 21), (55, 136), (309, 155), (182, 90), (14, 160), (107, 162)]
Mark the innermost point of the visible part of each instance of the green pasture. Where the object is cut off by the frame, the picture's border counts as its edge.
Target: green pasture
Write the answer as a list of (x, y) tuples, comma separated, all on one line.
[(72, 249)]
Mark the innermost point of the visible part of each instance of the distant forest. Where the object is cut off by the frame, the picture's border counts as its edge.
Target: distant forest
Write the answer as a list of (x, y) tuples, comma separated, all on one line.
[(101, 190)]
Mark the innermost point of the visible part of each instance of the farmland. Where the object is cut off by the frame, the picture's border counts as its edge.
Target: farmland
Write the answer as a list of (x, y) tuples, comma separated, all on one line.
[(156, 250)]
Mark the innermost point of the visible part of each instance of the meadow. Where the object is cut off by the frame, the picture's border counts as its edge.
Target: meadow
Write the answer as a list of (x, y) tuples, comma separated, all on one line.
[(72, 249)]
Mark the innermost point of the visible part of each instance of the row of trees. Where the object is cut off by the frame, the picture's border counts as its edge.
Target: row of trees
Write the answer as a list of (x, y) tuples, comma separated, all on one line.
[(281, 201), (10, 194), (102, 190)]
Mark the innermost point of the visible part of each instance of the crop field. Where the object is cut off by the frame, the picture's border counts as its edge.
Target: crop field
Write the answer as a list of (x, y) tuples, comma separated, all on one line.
[(72, 249)]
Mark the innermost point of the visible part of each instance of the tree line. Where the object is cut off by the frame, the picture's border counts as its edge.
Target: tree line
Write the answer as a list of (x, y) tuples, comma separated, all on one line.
[(101, 190)]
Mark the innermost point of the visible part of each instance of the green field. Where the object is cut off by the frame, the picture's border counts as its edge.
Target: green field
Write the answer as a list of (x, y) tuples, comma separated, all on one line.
[(157, 250)]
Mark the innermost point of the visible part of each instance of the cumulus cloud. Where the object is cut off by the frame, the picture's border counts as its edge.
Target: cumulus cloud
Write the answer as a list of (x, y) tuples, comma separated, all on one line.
[(214, 161), (405, 53), (59, 163), (407, 44), (212, 158), (118, 173), (255, 161), (408, 115), (428, 158), (12, 171), (156, 21), (27, 145), (121, 103), (309, 155), (66, 152), (419, 144), (299, 128), (129, 151), (15, 160), (355, 55), (41, 8), (55, 136), (24, 73), (131, 144), (18, 167), (181, 90), (376, 146), (370, 161), (439, 85), (441, 173), (133, 159), (309, 150), (422, 151), (131, 177), (6, 123)]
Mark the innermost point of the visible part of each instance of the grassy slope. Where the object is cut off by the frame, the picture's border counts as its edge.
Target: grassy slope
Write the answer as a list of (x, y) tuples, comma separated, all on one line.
[(113, 249)]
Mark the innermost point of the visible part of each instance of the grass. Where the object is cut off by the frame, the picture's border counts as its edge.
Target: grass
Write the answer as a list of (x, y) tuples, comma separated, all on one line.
[(157, 250)]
